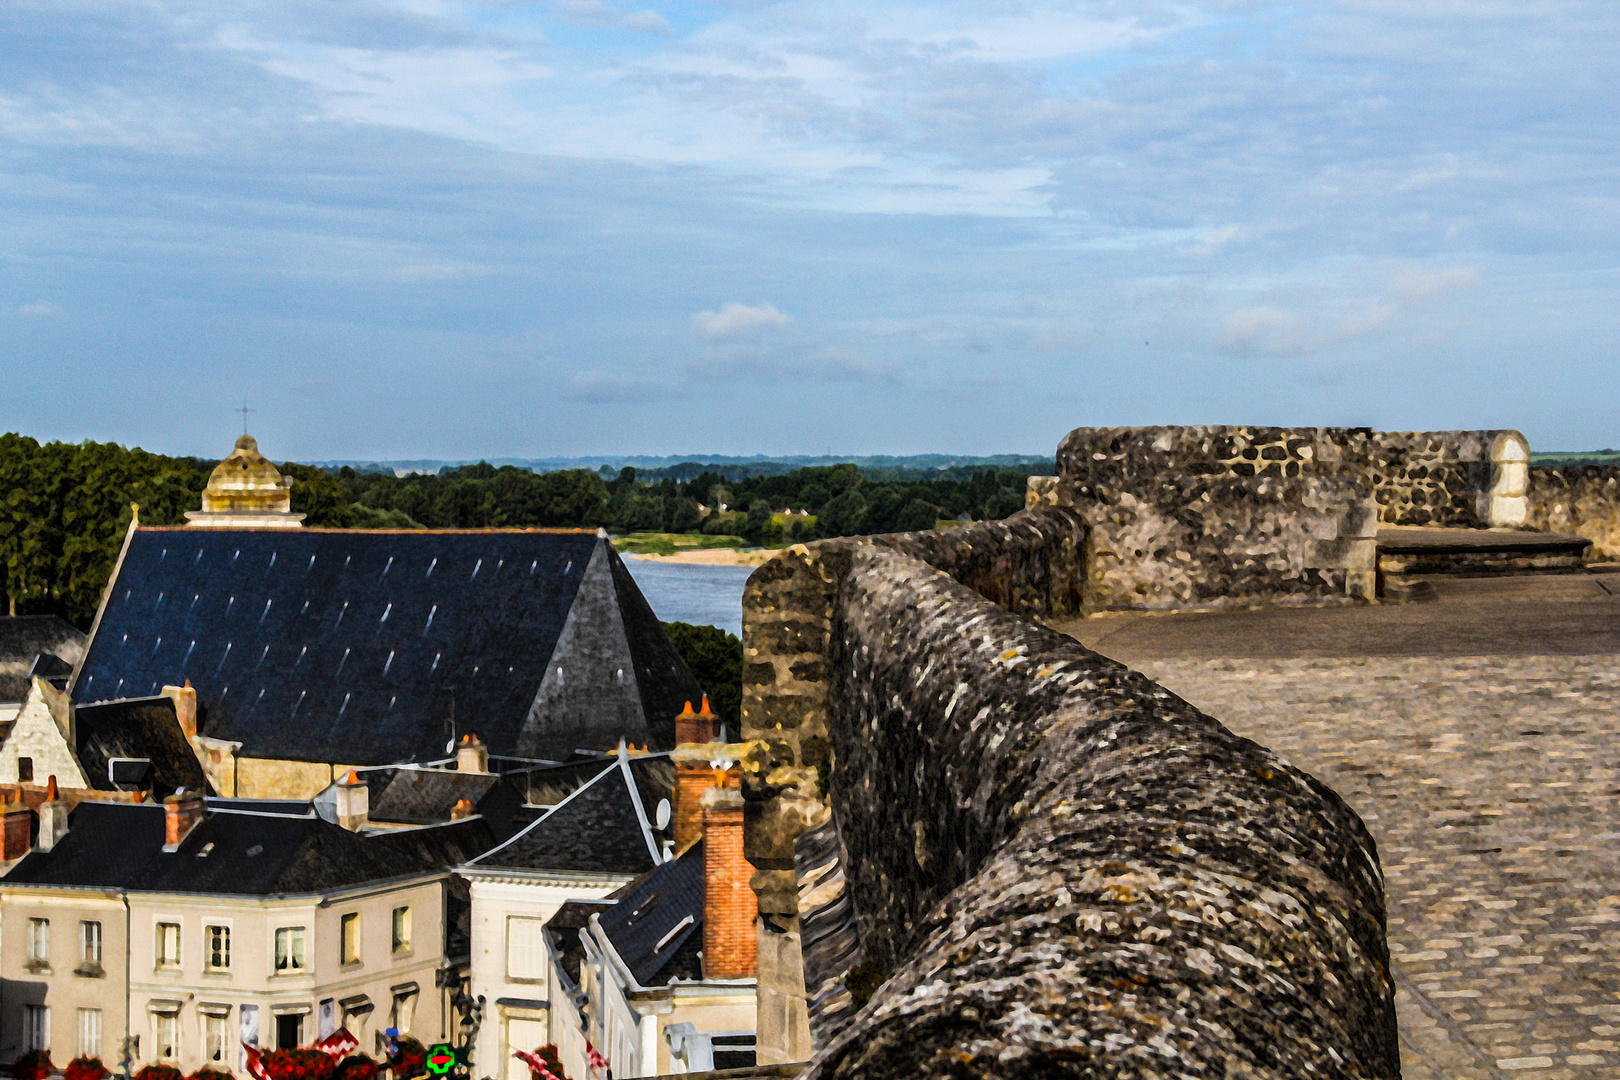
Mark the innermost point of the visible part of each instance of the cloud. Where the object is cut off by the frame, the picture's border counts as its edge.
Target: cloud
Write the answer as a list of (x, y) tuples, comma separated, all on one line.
[(602, 387), (39, 309), (1263, 330), (599, 13), (734, 319), (1414, 285)]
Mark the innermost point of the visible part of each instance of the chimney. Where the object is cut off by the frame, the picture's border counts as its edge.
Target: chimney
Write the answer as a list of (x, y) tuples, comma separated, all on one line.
[(462, 809), (353, 802), (696, 727), (53, 817), (16, 825), (185, 707), (181, 812), (472, 755), (729, 905)]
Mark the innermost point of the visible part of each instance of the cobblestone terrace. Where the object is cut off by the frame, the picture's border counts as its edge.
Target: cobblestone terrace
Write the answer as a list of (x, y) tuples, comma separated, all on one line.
[(1478, 738)]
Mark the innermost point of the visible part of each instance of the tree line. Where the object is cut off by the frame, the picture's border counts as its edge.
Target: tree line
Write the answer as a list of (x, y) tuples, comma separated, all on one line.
[(64, 507)]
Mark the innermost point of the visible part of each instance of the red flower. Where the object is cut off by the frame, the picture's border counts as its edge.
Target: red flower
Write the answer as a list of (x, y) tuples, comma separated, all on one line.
[(85, 1068), (409, 1058), (160, 1072), (34, 1065)]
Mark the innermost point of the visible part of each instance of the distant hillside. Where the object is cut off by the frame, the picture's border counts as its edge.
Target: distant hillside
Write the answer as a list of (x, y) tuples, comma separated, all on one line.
[(684, 467), (1576, 457)]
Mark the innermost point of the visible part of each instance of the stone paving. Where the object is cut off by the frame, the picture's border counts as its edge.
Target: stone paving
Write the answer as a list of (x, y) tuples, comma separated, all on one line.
[(1491, 785)]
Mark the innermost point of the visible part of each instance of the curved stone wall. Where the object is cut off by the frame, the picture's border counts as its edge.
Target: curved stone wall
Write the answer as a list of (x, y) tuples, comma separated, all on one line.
[(1054, 866)]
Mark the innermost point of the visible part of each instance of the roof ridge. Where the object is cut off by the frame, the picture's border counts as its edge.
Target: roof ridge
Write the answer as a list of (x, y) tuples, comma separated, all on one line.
[(531, 826)]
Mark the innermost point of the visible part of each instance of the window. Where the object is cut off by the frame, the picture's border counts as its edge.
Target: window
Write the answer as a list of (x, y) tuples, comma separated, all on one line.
[(525, 948), (216, 1036), (168, 944), (290, 948), (404, 1010), (289, 1031), (25, 770), (37, 1027), (219, 948), (402, 929), (166, 1035), (90, 1033), (39, 941), (90, 944), (350, 928)]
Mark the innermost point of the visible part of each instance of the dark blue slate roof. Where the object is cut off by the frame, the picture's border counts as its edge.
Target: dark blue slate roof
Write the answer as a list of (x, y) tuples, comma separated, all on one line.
[(657, 925), (603, 826), (120, 845), (348, 646)]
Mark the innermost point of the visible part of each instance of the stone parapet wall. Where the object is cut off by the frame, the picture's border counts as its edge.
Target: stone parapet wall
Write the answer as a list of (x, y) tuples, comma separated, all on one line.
[(1581, 500), (1059, 867), (1030, 561), (1198, 517), (1442, 479), (1183, 517)]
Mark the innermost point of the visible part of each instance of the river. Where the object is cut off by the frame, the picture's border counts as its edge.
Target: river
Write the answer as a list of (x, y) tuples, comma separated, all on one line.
[(693, 593)]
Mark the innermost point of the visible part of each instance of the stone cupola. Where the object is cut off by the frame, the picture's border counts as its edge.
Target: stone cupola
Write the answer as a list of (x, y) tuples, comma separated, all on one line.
[(245, 491)]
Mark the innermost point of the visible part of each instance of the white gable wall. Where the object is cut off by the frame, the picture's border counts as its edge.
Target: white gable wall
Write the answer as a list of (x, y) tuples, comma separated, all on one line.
[(40, 732)]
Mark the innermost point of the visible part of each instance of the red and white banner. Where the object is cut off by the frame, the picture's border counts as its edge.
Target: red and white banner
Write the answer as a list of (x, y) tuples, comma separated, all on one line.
[(340, 1044)]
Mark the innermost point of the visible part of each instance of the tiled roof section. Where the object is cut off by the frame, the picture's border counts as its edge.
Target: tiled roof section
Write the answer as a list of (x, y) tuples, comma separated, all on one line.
[(23, 639), (349, 646), (649, 926), (120, 845), (137, 728), (599, 828), (421, 796)]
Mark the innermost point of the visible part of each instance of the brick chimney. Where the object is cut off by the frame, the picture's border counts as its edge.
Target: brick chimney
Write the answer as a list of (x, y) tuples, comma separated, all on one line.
[(692, 778), (181, 812), (185, 707), (729, 905), (16, 827), (696, 727), (53, 818), (353, 802), (472, 755)]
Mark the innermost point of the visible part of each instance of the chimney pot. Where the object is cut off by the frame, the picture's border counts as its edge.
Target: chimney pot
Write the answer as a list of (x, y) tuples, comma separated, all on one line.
[(185, 707), (181, 812), (472, 755), (53, 818), (353, 800), (462, 809)]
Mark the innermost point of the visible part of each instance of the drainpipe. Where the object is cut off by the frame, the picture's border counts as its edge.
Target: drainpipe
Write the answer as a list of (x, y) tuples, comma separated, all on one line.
[(128, 1053)]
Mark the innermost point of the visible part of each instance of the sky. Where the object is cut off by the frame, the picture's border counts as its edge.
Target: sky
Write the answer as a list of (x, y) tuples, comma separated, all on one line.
[(427, 228)]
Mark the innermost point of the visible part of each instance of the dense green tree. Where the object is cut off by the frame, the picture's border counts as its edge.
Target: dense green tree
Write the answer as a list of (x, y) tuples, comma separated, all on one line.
[(715, 659), (845, 515)]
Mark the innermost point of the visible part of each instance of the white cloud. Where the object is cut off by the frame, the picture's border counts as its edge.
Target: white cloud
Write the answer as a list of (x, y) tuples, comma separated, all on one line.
[(1413, 285), (1264, 330), (39, 309), (733, 319), (599, 13)]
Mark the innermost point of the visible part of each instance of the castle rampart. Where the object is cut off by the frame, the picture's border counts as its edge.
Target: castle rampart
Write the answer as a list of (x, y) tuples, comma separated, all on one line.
[(1056, 867)]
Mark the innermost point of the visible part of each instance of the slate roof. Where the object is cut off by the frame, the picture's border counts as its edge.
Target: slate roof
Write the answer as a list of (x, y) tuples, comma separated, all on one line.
[(604, 826), (418, 796), (349, 646), (648, 927), (137, 728), (231, 852), (24, 639)]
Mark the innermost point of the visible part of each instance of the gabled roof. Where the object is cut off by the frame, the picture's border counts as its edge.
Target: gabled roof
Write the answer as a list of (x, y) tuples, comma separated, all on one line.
[(229, 852), (410, 795), (358, 647), (604, 826), (24, 639), (137, 728), (657, 925)]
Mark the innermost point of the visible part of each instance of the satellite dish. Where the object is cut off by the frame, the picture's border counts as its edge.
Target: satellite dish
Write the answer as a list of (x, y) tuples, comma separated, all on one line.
[(661, 815)]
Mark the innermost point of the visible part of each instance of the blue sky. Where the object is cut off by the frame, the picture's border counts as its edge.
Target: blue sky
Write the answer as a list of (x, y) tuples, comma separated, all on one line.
[(442, 229)]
